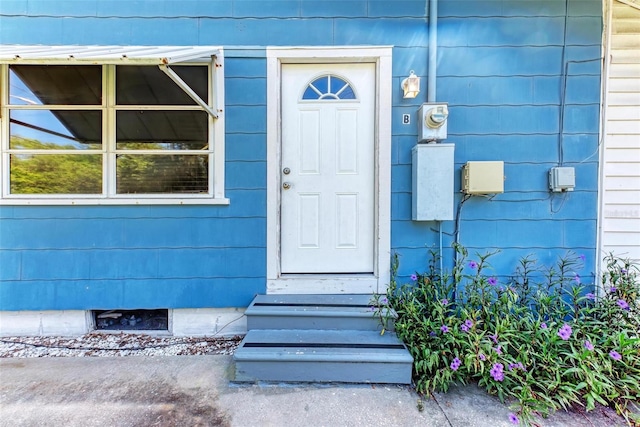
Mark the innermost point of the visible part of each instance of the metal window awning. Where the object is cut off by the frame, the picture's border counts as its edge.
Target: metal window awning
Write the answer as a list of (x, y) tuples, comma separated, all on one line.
[(162, 56), (133, 55), (632, 3)]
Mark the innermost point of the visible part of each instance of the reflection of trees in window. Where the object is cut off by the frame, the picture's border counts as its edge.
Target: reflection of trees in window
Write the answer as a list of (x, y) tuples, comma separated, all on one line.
[(152, 173), (161, 152), (157, 143), (54, 173), (42, 173)]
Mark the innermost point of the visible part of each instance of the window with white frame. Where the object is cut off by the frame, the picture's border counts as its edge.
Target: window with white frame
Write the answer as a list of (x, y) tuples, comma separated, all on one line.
[(110, 132)]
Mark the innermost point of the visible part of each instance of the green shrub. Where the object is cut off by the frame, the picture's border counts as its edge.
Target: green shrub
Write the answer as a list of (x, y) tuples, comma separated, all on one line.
[(539, 338)]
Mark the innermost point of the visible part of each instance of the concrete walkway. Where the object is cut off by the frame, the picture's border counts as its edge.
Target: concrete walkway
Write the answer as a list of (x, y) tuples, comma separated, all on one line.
[(196, 391)]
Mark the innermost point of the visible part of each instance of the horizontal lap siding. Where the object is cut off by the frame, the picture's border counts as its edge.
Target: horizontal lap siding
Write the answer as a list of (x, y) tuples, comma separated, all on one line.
[(152, 256), (620, 216), (174, 256), (97, 257), (499, 68)]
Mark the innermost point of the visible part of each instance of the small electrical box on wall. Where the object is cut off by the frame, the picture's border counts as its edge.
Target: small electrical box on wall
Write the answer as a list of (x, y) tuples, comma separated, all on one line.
[(483, 177), (562, 179)]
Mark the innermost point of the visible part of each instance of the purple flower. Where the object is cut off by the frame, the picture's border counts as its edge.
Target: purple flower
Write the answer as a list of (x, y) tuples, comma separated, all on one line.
[(615, 355), (473, 264), (497, 372), (565, 332), (384, 300), (498, 349), (494, 338), (514, 419), (433, 334), (414, 277), (613, 289), (455, 364), (623, 271), (372, 308), (492, 281), (468, 324), (582, 257), (518, 365), (588, 345), (444, 329), (590, 296), (445, 301), (482, 357), (543, 325), (623, 304), (577, 278)]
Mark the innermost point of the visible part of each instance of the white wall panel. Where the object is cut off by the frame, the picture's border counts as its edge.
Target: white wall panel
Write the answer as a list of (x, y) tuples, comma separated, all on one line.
[(620, 180)]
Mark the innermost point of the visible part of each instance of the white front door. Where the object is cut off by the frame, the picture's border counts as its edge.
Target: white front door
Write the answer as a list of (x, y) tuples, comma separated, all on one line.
[(327, 222)]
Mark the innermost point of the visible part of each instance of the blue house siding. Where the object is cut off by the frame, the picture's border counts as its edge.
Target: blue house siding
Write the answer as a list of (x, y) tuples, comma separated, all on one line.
[(500, 68)]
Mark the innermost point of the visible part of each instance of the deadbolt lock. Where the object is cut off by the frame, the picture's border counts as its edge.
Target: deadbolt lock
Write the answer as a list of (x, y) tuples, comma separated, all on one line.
[(286, 171)]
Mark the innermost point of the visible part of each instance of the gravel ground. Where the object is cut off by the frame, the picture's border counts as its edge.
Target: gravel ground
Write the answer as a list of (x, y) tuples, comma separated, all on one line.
[(98, 344)]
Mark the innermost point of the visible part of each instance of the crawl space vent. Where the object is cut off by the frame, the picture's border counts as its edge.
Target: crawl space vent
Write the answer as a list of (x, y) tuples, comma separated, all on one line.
[(131, 320)]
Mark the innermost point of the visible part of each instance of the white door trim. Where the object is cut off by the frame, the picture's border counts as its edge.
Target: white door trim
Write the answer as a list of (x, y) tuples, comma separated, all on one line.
[(366, 283)]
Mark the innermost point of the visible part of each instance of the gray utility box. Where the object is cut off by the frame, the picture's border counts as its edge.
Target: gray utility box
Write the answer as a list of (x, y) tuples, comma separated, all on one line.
[(432, 182), (562, 179)]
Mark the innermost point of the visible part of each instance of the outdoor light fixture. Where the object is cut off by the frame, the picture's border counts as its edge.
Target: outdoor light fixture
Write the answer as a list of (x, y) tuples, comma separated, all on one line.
[(411, 85)]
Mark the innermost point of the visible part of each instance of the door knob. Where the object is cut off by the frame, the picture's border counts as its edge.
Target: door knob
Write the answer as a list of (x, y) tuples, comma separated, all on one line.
[(286, 185)]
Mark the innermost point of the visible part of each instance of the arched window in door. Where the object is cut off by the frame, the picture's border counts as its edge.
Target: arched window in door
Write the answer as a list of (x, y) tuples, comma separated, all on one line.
[(328, 87)]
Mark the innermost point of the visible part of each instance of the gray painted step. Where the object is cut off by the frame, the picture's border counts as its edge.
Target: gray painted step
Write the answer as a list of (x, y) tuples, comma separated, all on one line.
[(348, 356), (351, 311)]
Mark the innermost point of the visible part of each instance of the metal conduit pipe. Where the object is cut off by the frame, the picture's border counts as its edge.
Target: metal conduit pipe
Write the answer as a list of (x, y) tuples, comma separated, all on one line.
[(433, 50), (432, 6)]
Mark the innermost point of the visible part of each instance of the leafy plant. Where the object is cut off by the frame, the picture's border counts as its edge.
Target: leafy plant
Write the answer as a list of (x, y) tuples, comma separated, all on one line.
[(538, 338)]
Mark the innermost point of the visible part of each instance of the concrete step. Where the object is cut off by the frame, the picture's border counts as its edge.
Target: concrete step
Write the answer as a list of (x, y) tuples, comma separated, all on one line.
[(346, 356), (327, 312)]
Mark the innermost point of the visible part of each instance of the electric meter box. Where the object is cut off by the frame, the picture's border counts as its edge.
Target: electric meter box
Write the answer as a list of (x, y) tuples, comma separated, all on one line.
[(432, 122), (483, 177), (432, 187)]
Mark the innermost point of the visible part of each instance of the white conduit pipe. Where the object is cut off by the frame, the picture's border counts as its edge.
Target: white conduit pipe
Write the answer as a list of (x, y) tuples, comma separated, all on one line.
[(431, 86), (433, 50)]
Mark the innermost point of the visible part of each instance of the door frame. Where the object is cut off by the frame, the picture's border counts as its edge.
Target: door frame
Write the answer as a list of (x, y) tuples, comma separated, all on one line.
[(331, 283)]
